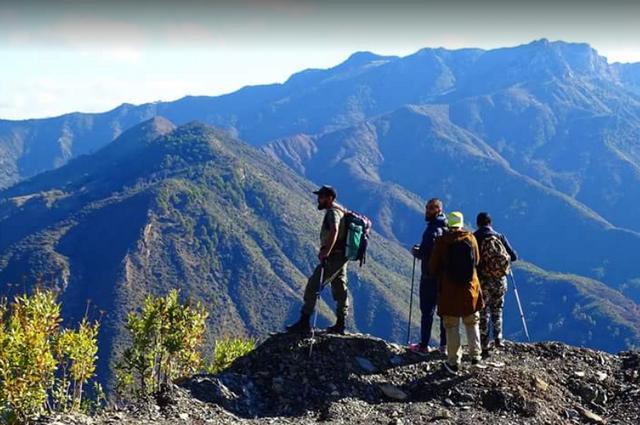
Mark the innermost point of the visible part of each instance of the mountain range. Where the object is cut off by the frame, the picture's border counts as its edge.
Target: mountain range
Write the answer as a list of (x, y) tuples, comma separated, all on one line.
[(108, 207), (188, 208)]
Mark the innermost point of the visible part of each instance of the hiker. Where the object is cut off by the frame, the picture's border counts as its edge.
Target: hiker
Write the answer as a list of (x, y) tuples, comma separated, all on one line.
[(436, 225), (496, 256), (453, 261), (331, 255)]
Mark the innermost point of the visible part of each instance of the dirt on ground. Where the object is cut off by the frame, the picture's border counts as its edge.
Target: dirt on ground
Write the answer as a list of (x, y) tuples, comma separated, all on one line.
[(359, 379)]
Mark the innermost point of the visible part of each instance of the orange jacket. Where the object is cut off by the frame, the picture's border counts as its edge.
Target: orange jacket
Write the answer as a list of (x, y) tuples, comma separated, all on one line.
[(455, 299)]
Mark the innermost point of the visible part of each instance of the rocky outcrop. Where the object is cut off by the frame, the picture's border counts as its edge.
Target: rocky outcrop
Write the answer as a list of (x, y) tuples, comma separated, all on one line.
[(361, 379)]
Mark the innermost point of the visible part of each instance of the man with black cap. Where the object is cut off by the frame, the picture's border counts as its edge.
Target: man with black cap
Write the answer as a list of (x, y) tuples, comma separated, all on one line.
[(436, 226), (496, 254), (331, 255)]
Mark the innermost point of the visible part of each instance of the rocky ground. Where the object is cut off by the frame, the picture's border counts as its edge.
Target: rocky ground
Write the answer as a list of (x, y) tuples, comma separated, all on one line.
[(358, 379)]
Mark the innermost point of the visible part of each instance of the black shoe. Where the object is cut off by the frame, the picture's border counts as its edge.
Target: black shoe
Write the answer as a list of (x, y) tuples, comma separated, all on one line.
[(452, 369), (499, 343), (337, 329), (301, 326), (485, 353), (478, 364)]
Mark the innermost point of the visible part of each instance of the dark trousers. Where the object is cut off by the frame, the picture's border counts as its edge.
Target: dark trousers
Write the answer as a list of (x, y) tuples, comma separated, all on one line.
[(428, 304)]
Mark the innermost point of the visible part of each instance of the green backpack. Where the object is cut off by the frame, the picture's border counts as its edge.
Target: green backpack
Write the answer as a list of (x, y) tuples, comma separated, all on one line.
[(357, 240)]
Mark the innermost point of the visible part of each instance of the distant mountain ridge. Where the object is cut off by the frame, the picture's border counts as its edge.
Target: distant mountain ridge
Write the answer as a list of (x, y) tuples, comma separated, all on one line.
[(419, 150), (190, 208), (194, 209), (543, 135), (310, 101), (535, 104)]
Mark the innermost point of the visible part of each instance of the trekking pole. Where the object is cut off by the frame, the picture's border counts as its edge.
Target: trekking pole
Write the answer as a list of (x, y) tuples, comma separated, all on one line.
[(315, 314), (515, 291), (413, 275)]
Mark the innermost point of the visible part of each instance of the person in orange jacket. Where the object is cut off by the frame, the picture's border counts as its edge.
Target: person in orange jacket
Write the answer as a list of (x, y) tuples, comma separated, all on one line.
[(454, 260)]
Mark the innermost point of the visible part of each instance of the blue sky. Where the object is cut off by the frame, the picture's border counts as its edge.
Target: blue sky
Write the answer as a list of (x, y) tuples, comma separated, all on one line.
[(67, 55)]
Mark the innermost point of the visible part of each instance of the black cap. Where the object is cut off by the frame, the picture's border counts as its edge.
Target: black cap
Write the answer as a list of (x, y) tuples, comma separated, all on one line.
[(483, 219), (327, 190)]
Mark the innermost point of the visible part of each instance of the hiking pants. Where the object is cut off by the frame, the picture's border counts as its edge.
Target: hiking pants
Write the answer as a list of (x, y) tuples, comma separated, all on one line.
[(493, 291), (335, 263), (454, 348), (428, 304)]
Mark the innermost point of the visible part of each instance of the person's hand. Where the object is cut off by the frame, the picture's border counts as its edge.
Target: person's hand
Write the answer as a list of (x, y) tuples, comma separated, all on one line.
[(415, 250), (322, 256)]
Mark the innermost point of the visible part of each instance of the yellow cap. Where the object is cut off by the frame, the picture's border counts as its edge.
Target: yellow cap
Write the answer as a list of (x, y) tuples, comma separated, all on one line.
[(455, 220)]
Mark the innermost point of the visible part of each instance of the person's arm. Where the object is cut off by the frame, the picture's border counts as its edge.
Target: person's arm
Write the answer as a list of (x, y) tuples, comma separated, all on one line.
[(331, 241), (436, 259), (420, 250), (512, 253), (333, 221), (476, 249), (428, 241)]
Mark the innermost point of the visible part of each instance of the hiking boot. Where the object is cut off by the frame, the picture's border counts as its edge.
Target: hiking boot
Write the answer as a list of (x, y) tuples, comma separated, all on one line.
[(478, 363), (338, 328), (499, 343), (485, 353), (420, 349), (301, 326), (452, 369)]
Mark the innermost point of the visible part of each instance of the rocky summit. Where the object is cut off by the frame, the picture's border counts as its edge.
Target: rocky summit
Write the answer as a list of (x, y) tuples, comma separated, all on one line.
[(361, 379)]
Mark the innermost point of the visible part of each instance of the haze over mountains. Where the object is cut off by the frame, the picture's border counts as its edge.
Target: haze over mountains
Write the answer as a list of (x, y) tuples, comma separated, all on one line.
[(545, 136)]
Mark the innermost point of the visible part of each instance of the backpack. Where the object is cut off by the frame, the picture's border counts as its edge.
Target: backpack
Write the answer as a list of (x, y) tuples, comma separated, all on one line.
[(494, 258), (461, 261), (357, 240)]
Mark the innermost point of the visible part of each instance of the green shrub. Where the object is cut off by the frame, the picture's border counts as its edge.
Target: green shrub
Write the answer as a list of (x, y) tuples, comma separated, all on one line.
[(227, 350), (76, 352), (42, 366), (166, 338)]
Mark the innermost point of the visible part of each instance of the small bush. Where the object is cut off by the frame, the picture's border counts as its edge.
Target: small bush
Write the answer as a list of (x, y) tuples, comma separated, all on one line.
[(227, 350), (76, 353), (42, 366), (166, 340)]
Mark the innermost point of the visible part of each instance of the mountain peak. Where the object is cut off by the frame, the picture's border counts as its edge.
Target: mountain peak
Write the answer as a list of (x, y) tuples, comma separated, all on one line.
[(581, 57), (160, 124), (353, 65), (146, 131), (362, 57)]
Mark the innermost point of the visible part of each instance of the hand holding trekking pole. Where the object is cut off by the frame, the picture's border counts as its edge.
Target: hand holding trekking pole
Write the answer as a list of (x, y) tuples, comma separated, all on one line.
[(315, 314)]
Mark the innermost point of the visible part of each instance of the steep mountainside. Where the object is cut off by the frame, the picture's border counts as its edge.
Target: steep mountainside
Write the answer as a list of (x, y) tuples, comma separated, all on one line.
[(543, 135), (552, 125), (629, 74), (419, 149), (558, 112), (195, 209), (189, 208)]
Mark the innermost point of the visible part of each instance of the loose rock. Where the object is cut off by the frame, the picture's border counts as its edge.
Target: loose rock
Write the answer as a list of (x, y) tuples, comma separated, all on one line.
[(278, 383), (393, 392)]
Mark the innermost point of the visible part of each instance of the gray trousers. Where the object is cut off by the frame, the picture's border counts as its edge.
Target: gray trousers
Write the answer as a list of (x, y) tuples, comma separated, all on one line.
[(336, 264)]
